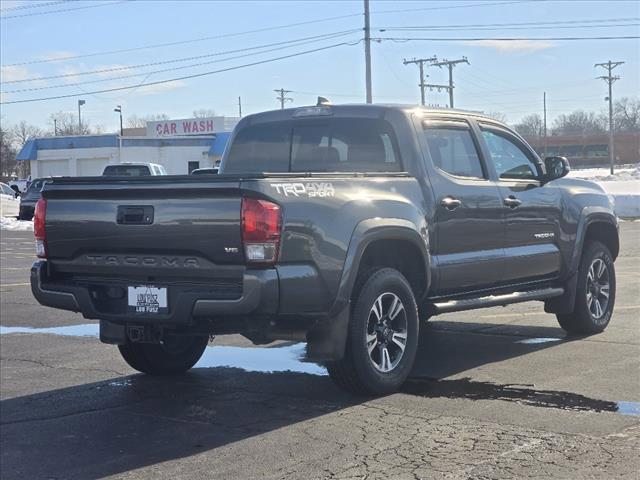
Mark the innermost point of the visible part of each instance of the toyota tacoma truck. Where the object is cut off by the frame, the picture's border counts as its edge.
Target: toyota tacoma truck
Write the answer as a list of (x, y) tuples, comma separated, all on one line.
[(339, 225)]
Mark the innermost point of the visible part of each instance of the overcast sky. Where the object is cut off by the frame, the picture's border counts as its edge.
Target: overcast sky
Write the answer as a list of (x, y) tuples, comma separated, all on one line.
[(507, 77)]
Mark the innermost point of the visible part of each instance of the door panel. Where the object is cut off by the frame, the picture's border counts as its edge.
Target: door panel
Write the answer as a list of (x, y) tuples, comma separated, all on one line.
[(468, 248), (531, 210)]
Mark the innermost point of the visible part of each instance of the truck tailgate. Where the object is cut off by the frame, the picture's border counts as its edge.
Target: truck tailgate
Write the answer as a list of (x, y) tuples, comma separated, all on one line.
[(154, 227)]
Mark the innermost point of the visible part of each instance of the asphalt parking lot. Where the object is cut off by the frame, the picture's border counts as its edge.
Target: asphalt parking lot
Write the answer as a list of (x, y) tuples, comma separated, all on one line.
[(497, 393)]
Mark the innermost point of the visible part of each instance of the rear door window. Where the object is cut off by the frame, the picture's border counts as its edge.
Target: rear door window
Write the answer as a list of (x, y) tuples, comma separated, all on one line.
[(453, 151)]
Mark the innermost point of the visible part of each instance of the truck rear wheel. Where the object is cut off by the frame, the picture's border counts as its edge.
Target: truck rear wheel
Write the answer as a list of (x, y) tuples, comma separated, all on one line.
[(383, 336), (595, 292), (174, 355)]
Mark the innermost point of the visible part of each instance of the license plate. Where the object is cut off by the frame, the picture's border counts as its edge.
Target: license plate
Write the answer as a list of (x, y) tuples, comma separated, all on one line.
[(147, 299)]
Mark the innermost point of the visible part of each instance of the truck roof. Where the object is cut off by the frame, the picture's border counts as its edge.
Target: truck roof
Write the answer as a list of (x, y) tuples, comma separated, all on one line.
[(367, 110)]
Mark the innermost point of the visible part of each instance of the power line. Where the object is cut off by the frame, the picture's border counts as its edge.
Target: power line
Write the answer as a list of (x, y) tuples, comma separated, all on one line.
[(33, 14), (503, 39), (247, 32), (472, 5), (186, 77), (184, 59), (181, 42), (153, 72), (512, 24), (487, 29), (33, 5), (449, 64)]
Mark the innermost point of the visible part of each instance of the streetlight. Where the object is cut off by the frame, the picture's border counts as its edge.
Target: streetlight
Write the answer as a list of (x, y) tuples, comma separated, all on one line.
[(118, 109), (80, 103)]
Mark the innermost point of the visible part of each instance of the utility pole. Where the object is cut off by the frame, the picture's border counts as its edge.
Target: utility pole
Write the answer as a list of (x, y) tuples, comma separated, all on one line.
[(420, 63), (450, 64), (544, 128), (367, 51), (55, 127), (282, 98), (240, 107), (610, 79)]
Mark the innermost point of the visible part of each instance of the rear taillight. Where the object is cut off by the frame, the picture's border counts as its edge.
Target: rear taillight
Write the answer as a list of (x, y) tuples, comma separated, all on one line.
[(39, 230), (261, 225)]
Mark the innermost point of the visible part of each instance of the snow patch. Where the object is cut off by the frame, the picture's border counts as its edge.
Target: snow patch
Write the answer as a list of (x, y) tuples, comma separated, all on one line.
[(623, 186), (11, 224)]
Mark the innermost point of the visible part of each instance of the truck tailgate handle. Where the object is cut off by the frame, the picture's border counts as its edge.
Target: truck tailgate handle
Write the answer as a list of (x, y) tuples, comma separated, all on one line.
[(135, 215)]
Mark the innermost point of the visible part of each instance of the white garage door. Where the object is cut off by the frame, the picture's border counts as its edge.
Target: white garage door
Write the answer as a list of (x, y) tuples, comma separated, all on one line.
[(90, 166), (52, 168)]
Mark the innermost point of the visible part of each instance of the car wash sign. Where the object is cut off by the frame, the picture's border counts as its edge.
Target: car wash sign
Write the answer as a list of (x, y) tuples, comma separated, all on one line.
[(187, 126)]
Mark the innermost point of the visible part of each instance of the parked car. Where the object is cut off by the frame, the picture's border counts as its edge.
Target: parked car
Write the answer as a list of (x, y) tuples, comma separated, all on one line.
[(29, 198), (205, 171), (20, 185), (9, 203), (339, 225), (134, 170)]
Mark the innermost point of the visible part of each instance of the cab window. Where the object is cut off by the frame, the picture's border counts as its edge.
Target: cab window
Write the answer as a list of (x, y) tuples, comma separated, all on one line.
[(509, 159), (453, 151)]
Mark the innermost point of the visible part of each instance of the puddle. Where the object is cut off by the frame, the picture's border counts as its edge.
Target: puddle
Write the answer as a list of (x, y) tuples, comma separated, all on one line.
[(539, 340), (267, 360), (85, 330), (278, 359), (522, 394)]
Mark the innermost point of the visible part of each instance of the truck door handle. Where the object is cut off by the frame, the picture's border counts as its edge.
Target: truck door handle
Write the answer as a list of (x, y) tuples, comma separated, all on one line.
[(512, 202), (450, 203)]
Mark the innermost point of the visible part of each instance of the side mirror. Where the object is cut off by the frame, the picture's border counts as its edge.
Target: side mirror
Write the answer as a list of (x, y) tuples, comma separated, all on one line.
[(557, 167)]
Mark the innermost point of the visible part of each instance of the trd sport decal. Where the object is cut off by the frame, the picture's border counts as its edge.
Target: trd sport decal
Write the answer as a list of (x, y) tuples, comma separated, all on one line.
[(309, 189)]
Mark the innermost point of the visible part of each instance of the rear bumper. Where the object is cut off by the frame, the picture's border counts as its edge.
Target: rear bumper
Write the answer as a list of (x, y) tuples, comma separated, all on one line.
[(259, 296)]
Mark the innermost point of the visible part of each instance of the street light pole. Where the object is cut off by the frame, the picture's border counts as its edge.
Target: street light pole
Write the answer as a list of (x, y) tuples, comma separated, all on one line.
[(118, 109), (80, 103)]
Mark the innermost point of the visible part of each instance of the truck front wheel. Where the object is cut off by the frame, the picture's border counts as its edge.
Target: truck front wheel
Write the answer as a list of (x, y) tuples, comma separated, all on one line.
[(383, 335), (174, 355)]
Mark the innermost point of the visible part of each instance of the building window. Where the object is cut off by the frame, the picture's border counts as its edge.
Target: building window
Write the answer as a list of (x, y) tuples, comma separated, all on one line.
[(193, 166)]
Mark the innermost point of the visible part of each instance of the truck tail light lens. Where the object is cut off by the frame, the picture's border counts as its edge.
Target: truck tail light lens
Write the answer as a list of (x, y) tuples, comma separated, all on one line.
[(39, 230), (261, 225)]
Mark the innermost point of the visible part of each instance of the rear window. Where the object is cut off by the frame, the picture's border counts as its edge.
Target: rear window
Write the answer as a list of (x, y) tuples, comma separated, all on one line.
[(127, 170), (327, 145)]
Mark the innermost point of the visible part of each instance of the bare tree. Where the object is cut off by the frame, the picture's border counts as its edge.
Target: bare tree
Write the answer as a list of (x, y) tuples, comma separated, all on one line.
[(626, 115), (204, 113), (7, 156), (530, 126), (578, 122), (66, 123), (499, 116), (135, 121), (24, 131)]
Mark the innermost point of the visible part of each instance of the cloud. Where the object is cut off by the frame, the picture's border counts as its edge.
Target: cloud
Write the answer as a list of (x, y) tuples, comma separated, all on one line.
[(160, 88), (512, 46), (13, 73), (58, 55)]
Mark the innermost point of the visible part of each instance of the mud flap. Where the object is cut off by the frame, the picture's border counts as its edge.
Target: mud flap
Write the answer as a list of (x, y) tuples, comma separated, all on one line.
[(565, 303), (327, 340), (112, 333)]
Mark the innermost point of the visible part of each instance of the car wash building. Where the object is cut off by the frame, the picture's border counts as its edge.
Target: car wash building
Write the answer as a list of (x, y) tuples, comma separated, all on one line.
[(180, 146)]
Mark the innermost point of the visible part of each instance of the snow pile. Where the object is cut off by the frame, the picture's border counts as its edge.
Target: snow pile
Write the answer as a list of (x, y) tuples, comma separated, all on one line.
[(623, 186), (10, 223)]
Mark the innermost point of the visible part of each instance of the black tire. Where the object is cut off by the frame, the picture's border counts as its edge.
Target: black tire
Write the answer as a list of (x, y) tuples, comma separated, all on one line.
[(585, 318), (175, 355), (359, 372)]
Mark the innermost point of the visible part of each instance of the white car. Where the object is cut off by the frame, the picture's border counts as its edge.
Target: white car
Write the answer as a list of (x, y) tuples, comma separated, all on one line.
[(9, 204)]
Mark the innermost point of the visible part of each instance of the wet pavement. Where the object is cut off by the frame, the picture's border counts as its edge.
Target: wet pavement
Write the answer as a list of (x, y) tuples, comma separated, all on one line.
[(498, 393)]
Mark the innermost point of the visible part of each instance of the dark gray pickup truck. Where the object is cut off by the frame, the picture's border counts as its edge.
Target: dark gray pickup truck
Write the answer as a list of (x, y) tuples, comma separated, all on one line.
[(339, 225)]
